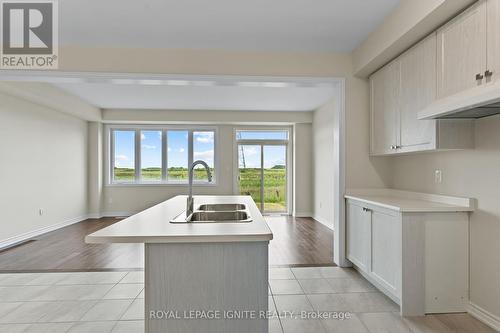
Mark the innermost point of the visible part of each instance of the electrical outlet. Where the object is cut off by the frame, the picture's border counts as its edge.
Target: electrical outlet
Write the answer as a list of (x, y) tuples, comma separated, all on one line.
[(40, 211), (438, 176)]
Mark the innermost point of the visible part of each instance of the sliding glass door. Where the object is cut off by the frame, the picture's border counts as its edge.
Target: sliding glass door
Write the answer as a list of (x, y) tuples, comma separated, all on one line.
[(262, 170)]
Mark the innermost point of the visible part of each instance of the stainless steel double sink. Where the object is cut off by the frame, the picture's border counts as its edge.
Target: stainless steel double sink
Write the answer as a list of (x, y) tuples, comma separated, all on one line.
[(216, 213)]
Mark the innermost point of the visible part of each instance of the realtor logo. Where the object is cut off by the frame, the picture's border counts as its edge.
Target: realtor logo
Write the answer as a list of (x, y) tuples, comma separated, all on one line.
[(29, 34)]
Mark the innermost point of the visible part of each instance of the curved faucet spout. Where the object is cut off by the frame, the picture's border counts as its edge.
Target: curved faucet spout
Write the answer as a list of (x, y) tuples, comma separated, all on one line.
[(190, 202)]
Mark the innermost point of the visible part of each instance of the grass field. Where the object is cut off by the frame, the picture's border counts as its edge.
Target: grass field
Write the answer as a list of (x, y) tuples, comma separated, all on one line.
[(274, 182)]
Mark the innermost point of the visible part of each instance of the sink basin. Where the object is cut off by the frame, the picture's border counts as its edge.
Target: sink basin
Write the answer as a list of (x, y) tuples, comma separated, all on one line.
[(222, 207), (214, 217)]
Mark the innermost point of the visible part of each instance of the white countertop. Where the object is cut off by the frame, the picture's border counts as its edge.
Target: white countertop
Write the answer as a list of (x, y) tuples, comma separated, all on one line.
[(411, 202), (153, 225)]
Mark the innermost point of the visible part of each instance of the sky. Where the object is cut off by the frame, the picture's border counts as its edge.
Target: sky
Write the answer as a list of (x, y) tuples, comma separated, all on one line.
[(203, 149)]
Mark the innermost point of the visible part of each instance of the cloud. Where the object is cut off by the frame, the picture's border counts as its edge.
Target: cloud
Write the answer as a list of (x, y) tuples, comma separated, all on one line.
[(169, 149), (143, 136), (204, 137), (250, 151), (121, 158), (148, 146), (181, 150), (208, 154)]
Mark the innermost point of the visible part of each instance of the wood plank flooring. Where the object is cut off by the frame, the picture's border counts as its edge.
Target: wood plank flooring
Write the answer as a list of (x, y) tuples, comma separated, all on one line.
[(297, 241)]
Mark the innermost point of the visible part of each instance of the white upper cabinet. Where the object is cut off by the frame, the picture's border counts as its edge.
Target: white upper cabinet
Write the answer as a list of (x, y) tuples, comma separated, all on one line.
[(418, 89), (493, 40), (385, 98), (462, 51)]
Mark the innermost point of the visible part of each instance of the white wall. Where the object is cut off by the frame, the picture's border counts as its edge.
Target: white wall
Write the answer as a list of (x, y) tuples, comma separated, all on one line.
[(470, 173), (323, 156), (303, 162), (43, 165)]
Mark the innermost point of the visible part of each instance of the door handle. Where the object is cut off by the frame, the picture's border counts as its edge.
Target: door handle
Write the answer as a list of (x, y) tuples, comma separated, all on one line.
[(479, 77), (488, 73)]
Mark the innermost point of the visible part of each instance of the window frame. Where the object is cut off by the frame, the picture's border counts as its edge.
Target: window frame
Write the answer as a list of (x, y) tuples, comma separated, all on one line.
[(109, 155), (289, 142)]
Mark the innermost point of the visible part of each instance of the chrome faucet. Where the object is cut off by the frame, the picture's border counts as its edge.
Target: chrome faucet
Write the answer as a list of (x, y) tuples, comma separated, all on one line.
[(190, 201)]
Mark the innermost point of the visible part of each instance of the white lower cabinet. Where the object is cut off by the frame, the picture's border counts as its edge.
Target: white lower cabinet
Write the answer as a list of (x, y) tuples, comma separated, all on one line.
[(419, 260)]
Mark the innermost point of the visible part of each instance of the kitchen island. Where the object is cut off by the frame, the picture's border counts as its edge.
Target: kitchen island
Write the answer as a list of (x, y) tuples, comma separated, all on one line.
[(199, 277)]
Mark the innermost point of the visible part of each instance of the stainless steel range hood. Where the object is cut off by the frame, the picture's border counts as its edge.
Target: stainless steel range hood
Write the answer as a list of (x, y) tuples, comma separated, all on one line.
[(478, 102)]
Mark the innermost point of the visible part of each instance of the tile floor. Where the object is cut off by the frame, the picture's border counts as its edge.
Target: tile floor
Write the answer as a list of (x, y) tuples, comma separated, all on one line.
[(103, 302)]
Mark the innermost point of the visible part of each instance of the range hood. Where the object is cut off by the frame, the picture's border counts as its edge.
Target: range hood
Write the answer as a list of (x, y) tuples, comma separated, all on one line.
[(478, 102)]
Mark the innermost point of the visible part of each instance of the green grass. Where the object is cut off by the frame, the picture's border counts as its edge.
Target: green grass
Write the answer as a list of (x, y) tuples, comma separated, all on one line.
[(274, 182)]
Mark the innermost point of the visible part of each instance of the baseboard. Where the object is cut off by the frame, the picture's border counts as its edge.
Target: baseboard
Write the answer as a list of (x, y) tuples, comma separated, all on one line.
[(303, 214), (117, 214), (484, 316), (22, 237), (323, 221)]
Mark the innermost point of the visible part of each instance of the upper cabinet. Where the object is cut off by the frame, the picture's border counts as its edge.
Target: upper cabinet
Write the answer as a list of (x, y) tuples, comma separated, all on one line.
[(462, 51), (418, 89), (461, 55), (493, 38), (384, 96)]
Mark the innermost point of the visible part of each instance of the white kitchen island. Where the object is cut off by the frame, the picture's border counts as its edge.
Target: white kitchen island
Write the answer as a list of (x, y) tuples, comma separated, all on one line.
[(199, 276)]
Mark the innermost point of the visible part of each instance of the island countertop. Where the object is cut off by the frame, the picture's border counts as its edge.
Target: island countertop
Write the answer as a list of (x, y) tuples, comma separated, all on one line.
[(153, 225)]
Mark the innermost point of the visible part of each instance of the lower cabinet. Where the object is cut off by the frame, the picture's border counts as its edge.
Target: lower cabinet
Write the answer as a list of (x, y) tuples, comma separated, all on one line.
[(374, 245), (419, 260)]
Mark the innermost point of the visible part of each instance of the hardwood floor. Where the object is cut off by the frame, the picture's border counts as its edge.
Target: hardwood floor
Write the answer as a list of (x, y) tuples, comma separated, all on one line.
[(297, 241)]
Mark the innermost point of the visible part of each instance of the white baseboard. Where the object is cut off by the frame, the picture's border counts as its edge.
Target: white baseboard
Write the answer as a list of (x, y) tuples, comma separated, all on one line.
[(117, 214), (303, 214), (323, 221), (484, 316), (22, 237)]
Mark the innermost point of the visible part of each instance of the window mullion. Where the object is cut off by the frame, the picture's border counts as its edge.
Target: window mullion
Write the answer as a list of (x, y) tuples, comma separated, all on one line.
[(164, 157), (137, 156), (190, 150)]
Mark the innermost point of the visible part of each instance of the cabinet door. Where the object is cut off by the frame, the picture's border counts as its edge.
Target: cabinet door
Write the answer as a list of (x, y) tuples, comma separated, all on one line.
[(385, 91), (493, 42), (462, 51), (358, 235), (386, 249), (418, 89)]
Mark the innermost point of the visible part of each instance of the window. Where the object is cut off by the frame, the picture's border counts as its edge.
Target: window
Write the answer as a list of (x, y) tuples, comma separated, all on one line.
[(177, 155), (151, 156), (160, 155), (263, 167), (124, 156), (203, 149)]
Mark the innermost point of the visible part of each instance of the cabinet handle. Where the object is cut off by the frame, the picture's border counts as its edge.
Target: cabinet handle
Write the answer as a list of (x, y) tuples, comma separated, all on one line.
[(398, 147), (488, 73), (479, 77), (393, 147)]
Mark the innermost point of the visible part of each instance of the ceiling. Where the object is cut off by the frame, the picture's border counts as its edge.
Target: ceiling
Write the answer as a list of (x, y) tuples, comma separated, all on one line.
[(243, 95), (263, 25)]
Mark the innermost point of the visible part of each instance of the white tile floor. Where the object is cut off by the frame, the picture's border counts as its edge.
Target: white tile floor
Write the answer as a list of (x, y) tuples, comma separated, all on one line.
[(103, 302)]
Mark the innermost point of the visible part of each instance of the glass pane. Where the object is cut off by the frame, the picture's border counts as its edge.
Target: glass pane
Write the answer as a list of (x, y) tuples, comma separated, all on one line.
[(151, 155), (124, 168), (177, 155), (249, 165), (203, 149), (262, 135), (274, 178)]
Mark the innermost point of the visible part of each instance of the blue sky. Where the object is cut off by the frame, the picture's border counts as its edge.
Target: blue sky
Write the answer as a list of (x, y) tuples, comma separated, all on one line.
[(203, 149)]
